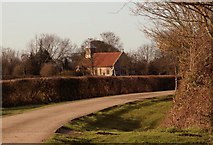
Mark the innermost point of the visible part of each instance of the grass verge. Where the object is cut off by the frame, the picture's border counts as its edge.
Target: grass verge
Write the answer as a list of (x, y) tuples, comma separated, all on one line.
[(19, 110), (22, 109), (136, 122)]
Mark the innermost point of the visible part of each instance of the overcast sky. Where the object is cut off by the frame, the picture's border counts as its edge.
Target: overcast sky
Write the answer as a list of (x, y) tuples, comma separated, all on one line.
[(76, 21)]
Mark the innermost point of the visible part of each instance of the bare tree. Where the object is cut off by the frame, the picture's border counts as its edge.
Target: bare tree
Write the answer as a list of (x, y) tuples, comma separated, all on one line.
[(147, 51), (111, 39), (185, 29), (9, 59), (162, 64), (137, 64), (86, 43), (58, 48)]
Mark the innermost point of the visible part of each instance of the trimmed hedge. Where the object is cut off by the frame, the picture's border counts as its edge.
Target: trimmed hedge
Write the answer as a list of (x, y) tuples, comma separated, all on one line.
[(28, 91)]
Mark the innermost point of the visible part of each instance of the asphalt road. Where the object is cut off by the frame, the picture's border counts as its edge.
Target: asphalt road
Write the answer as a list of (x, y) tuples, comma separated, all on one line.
[(38, 125)]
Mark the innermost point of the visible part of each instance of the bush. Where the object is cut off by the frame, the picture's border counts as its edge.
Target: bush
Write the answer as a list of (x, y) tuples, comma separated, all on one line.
[(43, 90), (48, 69), (18, 70)]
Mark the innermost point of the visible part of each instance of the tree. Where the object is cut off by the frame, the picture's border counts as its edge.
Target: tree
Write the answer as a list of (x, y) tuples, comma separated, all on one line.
[(137, 63), (48, 69), (86, 43), (18, 70), (162, 64), (111, 39), (58, 48), (34, 62), (47, 48), (147, 51), (185, 29), (9, 59), (101, 46)]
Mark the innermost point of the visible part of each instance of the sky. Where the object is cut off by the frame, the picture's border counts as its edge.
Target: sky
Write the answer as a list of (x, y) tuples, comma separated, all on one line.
[(21, 21)]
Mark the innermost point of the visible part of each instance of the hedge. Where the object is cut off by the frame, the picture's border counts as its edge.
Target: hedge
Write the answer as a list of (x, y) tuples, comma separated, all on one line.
[(28, 91)]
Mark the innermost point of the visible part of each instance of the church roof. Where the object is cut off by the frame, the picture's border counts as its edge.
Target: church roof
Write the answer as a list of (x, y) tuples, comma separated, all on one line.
[(105, 59)]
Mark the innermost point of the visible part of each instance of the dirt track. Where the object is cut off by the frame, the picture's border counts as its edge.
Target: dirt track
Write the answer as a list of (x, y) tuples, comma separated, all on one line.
[(37, 125)]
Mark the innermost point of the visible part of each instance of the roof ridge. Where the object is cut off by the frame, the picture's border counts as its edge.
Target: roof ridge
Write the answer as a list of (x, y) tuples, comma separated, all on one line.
[(118, 58)]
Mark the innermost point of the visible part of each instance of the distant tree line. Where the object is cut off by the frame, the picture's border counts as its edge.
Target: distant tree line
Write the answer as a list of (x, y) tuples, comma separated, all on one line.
[(50, 55)]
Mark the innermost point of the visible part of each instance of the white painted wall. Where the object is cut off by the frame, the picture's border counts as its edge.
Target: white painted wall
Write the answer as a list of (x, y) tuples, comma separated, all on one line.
[(102, 71)]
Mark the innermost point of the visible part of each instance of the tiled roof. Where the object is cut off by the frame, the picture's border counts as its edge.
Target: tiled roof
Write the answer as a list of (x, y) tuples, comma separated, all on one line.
[(105, 59)]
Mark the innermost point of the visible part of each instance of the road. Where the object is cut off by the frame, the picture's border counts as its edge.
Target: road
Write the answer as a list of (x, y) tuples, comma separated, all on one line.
[(38, 125)]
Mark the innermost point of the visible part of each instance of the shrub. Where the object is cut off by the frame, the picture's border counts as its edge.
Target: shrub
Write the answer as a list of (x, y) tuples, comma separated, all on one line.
[(67, 73), (48, 69), (18, 70), (54, 89)]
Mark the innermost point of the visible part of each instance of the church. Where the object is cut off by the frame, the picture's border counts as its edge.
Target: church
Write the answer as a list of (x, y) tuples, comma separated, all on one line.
[(105, 63)]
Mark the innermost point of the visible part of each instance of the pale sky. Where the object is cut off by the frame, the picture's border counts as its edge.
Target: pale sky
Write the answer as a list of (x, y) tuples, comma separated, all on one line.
[(21, 21)]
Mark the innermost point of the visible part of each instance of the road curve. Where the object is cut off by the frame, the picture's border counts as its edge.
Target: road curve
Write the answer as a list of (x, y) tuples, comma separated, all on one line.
[(38, 125)]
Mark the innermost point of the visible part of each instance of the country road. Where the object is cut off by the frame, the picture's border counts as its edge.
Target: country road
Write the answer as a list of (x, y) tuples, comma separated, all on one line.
[(38, 125)]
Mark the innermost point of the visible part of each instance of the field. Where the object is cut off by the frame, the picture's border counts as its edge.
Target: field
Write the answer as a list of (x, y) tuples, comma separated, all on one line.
[(136, 122)]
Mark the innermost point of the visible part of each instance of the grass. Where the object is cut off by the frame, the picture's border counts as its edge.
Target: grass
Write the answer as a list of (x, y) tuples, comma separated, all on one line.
[(136, 122), (22, 109), (19, 110)]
